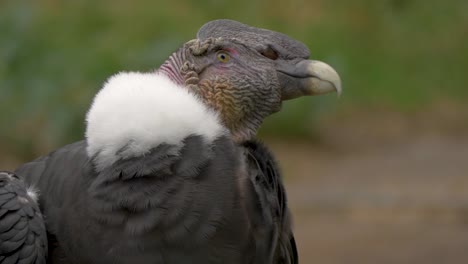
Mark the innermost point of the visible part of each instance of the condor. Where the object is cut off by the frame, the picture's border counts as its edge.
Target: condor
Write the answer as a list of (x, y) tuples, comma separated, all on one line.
[(170, 170)]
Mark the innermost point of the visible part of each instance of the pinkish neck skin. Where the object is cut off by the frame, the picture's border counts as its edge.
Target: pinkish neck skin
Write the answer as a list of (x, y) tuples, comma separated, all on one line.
[(171, 67)]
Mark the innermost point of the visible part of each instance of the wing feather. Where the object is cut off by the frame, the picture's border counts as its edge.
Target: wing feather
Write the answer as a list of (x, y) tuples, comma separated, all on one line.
[(271, 215), (22, 231)]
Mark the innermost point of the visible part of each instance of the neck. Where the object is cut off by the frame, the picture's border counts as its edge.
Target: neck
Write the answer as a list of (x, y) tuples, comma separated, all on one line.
[(245, 130)]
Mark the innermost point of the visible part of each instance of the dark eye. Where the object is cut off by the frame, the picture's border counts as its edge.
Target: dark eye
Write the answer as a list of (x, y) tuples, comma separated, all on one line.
[(269, 53), (222, 56)]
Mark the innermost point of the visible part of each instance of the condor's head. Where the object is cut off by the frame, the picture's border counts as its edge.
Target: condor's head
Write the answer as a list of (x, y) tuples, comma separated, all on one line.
[(244, 73)]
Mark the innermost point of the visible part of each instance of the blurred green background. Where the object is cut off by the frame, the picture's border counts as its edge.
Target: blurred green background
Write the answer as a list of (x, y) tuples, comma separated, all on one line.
[(404, 68)]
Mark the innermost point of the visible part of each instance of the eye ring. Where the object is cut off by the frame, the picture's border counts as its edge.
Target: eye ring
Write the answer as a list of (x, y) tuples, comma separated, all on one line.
[(223, 56)]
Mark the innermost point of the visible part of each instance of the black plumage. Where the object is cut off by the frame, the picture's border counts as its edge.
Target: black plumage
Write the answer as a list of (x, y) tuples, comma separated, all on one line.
[(268, 204), (187, 208)]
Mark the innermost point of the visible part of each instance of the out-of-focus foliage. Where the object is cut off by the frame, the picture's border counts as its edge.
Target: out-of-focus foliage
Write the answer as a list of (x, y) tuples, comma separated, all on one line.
[(54, 55)]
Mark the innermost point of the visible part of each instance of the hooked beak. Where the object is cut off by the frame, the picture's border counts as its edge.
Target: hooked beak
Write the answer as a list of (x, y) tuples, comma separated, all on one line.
[(308, 77)]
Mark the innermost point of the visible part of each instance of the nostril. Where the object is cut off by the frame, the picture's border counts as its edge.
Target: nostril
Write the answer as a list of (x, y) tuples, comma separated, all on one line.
[(270, 53)]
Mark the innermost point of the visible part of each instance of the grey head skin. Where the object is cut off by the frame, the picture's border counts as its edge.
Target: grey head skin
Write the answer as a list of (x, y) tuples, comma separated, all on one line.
[(245, 73)]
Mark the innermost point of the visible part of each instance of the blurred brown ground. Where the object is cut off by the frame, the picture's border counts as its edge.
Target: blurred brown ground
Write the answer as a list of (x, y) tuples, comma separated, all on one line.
[(380, 188)]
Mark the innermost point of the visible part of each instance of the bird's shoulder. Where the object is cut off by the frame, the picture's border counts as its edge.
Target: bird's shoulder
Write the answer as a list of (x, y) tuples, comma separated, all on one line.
[(61, 167), (265, 177), (269, 212)]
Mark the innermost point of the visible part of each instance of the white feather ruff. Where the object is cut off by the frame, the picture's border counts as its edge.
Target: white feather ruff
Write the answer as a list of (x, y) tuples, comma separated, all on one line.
[(135, 112)]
